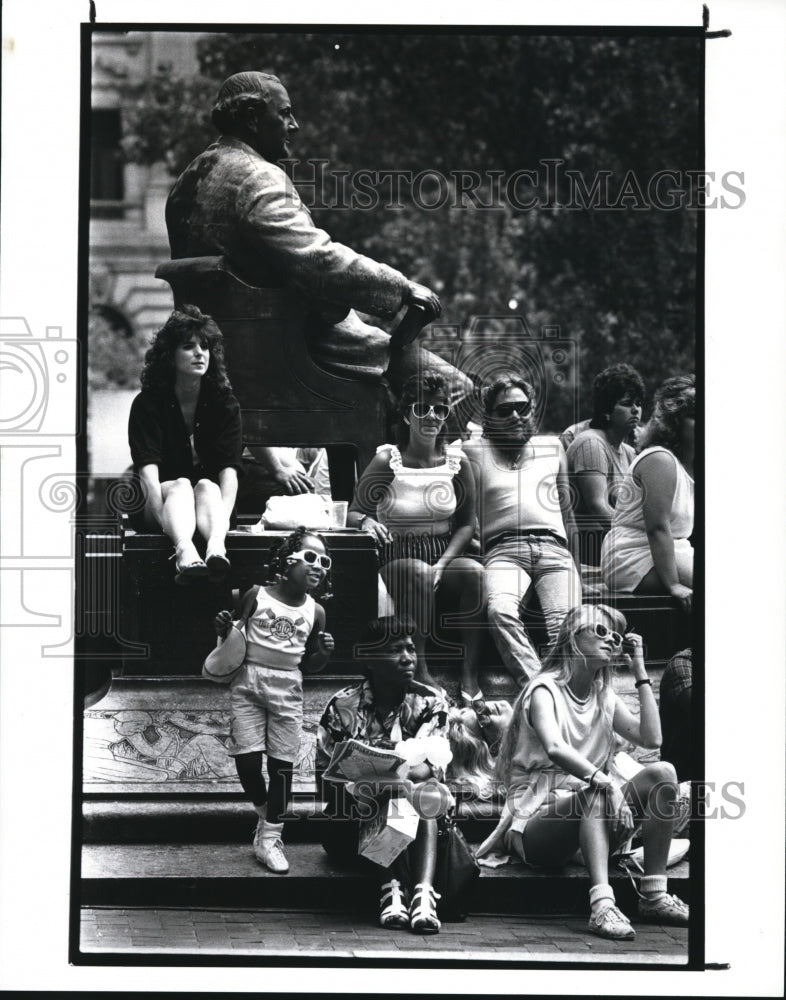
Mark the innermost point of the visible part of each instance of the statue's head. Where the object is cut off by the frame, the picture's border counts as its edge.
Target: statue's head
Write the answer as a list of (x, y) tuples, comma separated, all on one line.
[(256, 108)]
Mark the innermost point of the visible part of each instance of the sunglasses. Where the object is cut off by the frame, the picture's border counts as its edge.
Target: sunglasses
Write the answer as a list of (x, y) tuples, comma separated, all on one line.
[(310, 558), (505, 410), (602, 632), (422, 410)]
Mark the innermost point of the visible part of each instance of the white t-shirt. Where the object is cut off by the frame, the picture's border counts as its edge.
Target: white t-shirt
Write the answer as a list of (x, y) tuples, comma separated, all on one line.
[(277, 633), (586, 726)]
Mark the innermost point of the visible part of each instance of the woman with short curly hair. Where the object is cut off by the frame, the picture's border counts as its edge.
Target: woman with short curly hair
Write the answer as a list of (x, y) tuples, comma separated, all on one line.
[(186, 442), (600, 455), (647, 550)]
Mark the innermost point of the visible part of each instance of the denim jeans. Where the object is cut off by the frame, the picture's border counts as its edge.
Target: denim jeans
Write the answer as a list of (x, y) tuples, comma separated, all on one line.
[(512, 569)]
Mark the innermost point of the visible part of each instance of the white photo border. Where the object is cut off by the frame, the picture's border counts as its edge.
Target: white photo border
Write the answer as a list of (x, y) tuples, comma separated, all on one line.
[(744, 369)]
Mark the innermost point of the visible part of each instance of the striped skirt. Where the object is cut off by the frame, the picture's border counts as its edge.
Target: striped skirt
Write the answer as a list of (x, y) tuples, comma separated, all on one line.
[(426, 548)]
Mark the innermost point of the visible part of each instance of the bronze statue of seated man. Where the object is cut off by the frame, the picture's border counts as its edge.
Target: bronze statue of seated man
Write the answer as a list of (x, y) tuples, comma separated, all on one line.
[(234, 200)]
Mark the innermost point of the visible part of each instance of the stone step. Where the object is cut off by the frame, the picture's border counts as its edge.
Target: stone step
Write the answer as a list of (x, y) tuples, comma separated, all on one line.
[(221, 874), (188, 718), (208, 818)]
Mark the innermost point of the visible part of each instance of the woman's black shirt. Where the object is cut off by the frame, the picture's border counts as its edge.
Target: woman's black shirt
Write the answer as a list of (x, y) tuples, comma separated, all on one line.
[(157, 434)]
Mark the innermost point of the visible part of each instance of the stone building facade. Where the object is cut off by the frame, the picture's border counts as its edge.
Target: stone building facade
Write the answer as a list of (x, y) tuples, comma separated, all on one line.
[(127, 231)]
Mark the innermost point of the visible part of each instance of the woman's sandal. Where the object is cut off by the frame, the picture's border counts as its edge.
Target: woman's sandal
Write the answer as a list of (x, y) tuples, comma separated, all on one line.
[(186, 572), (217, 568), (423, 910), (393, 912)]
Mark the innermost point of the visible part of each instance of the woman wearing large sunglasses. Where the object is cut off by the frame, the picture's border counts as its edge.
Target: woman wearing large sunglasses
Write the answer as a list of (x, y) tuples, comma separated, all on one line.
[(417, 498), (554, 764)]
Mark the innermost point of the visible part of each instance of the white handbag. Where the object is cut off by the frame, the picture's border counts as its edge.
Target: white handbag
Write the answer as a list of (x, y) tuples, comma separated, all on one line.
[(227, 658)]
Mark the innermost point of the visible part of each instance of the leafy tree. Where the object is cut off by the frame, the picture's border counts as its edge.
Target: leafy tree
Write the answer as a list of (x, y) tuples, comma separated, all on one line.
[(167, 119), (116, 355)]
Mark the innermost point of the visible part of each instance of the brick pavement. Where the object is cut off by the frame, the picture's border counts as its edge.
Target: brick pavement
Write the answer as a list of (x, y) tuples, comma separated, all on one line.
[(347, 935)]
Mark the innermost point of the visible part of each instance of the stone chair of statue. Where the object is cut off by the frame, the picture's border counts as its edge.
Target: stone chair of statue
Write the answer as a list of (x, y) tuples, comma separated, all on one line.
[(285, 398)]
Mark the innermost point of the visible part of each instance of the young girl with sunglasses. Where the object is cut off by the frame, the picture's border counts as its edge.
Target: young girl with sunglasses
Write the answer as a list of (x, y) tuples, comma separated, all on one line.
[(285, 633), (554, 760), (417, 499)]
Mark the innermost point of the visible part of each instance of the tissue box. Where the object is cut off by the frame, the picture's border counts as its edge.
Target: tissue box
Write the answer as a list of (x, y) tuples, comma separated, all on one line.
[(385, 836)]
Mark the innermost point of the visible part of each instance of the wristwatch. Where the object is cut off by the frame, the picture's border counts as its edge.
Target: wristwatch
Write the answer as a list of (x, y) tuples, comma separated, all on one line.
[(590, 780), (359, 525)]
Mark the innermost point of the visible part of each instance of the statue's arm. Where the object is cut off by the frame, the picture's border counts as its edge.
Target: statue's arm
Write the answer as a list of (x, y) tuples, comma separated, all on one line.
[(277, 225)]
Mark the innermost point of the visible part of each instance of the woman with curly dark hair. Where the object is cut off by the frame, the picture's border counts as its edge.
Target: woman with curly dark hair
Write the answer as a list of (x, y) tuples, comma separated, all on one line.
[(185, 437), (647, 549), (417, 499), (186, 442)]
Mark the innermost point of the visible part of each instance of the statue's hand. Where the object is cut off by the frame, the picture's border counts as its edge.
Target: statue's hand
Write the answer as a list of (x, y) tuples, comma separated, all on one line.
[(419, 295)]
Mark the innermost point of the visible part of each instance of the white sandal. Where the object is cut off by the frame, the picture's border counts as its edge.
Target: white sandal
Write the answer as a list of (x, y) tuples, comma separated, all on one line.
[(423, 917), (393, 910)]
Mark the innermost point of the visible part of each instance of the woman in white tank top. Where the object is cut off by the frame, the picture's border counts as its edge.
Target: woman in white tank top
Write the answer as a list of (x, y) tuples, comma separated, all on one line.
[(417, 499)]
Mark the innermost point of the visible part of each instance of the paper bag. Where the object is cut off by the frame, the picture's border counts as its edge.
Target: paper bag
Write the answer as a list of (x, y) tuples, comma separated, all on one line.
[(385, 836)]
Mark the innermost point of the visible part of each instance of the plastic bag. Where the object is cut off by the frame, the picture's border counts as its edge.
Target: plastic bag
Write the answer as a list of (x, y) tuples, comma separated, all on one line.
[(287, 513)]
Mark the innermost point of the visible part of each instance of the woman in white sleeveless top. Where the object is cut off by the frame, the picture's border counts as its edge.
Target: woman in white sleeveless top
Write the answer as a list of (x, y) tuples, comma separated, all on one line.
[(554, 766), (647, 550), (417, 498)]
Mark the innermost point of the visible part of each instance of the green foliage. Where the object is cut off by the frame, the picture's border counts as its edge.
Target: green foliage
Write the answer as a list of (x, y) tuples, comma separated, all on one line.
[(168, 120), (621, 282), (115, 357)]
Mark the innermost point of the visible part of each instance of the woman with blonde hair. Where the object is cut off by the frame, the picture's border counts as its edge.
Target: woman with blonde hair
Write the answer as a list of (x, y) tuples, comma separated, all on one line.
[(554, 763), (474, 740)]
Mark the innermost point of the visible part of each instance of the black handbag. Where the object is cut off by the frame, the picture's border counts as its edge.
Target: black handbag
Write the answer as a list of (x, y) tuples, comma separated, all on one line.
[(456, 871)]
